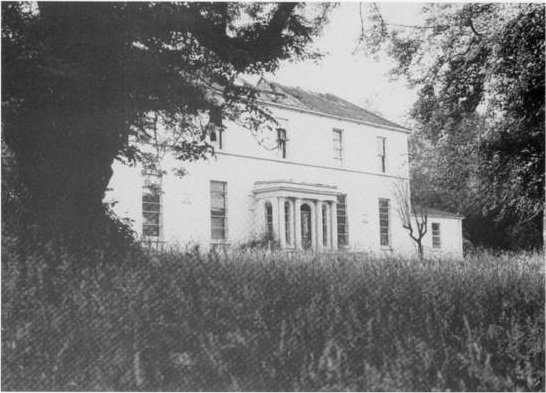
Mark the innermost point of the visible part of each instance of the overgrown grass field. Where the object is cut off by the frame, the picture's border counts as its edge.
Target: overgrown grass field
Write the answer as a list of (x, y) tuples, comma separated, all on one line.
[(269, 321)]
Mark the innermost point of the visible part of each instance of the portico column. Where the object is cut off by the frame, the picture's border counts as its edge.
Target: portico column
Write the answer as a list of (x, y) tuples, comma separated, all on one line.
[(292, 222), (333, 226), (318, 226), (281, 221), (297, 222), (260, 217), (328, 226), (313, 217), (274, 215)]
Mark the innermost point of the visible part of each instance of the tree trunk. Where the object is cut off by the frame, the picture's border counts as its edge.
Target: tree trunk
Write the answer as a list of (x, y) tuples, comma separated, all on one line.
[(65, 169)]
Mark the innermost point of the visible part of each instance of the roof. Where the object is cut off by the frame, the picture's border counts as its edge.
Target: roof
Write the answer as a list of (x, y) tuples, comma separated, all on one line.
[(431, 212), (329, 104)]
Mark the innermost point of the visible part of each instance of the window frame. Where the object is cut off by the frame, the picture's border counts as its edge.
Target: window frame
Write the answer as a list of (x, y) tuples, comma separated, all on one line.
[(337, 141), (148, 189), (384, 230), (213, 214), (436, 235), (216, 119), (216, 138), (282, 142), (382, 153), (341, 211)]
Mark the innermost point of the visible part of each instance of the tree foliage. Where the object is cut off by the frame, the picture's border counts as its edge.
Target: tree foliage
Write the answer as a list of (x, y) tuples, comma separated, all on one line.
[(83, 80), (480, 114)]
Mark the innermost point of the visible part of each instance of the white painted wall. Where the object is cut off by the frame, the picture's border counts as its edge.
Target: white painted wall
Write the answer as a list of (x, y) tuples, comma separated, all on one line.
[(310, 142), (243, 161), (451, 238)]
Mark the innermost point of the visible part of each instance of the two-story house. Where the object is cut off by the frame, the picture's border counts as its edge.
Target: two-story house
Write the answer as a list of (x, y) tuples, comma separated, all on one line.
[(324, 181)]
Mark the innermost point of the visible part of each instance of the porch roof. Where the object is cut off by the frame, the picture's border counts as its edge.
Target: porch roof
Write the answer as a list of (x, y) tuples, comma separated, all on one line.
[(291, 189)]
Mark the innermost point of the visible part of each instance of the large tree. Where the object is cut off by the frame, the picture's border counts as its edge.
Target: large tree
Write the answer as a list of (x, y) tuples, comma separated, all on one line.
[(81, 80), (480, 112)]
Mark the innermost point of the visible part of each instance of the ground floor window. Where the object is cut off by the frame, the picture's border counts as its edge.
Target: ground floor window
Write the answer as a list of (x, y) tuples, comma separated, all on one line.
[(436, 240), (342, 225), (218, 217), (151, 206), (384, 234)]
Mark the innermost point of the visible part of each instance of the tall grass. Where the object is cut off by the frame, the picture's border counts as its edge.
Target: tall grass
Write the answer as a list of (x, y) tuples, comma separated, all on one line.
[(270, 321)]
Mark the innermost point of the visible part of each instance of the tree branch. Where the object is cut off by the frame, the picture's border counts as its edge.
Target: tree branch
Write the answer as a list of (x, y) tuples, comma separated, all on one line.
[(362, 33), (381, 20), (238, 50), (471, 25)]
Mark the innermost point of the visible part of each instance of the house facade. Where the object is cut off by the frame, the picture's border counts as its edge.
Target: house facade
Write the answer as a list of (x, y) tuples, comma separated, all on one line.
[(323, 181)]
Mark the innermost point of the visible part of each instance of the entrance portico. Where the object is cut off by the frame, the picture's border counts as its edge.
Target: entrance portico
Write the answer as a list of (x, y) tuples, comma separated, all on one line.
[(298, 215)]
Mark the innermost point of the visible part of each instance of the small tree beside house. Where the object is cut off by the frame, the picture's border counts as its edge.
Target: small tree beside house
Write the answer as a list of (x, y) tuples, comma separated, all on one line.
[(409, 209)]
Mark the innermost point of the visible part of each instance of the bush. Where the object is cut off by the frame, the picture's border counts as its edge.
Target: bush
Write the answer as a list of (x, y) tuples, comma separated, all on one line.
[(264, 242), (260, 320)]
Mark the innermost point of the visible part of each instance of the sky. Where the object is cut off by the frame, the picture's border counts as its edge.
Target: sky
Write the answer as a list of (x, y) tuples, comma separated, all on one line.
[(357, 78)]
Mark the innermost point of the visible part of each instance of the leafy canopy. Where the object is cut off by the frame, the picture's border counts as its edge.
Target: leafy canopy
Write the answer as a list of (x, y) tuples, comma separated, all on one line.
[(479, 117), (82, 80)]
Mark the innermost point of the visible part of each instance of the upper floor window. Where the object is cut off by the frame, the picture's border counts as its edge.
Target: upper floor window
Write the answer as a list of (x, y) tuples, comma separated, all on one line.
[(216, 137), (337, 138), (384, 223), (218, 217), (436, 240), (151, 206), (215, 117), (382, 153), (342, 225), (281, 141)]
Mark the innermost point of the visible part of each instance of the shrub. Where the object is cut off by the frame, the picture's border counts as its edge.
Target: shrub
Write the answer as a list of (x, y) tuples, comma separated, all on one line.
[(264, 242)]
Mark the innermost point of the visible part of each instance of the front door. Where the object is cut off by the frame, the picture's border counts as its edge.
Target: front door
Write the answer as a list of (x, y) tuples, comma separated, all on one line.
[(306, 226)]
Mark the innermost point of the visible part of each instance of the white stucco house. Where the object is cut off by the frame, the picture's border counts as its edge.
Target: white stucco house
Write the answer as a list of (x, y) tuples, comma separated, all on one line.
[(324, 182)]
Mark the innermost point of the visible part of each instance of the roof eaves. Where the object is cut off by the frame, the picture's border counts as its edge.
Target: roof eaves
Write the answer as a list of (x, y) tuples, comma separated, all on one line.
[(446, 215), (441, 214)]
